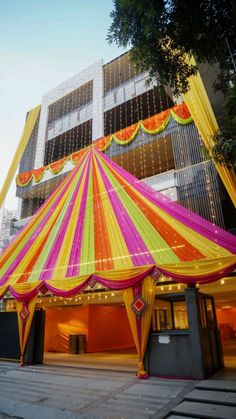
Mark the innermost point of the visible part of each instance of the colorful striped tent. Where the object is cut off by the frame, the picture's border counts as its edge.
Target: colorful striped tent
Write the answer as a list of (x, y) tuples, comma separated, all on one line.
[(104, 225)]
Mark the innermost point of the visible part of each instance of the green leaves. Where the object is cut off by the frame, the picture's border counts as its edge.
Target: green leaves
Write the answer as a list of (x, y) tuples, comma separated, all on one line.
[(163, 33)]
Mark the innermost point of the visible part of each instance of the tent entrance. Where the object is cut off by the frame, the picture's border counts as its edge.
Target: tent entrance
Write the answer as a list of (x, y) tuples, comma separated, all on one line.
[(107, 340)]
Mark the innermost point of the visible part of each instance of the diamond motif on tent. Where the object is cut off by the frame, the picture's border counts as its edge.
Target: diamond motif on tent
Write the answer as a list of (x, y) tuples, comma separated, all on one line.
[(92, 282), (139, 305), (155, 274), (24, 313)]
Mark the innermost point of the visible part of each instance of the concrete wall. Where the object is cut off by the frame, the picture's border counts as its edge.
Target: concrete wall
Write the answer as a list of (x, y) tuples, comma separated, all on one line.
[(94, 73)]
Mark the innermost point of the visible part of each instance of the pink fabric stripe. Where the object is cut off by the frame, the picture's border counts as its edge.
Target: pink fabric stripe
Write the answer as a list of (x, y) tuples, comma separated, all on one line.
[(78, 235), (23, 297), (138, 251), (55, 249), (36, 233), (185, 216)]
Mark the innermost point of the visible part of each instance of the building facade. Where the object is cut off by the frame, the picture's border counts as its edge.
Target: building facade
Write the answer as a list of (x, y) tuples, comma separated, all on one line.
[(102, 100), (8, 228), (105, 104)]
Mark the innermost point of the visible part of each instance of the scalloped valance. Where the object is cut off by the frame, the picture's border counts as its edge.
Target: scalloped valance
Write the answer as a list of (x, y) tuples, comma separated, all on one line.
[(153, 125)]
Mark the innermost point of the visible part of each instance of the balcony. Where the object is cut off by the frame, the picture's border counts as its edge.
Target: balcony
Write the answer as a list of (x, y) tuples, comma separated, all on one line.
[(126, 91), (69, 121)]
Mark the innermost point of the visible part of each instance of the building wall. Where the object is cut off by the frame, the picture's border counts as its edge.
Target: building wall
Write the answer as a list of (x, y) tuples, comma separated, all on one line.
[(7, 228), (94, 73)]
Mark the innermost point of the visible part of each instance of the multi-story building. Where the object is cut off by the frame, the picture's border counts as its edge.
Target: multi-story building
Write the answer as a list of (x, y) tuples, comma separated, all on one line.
[(149, 133), (102, 100), (7, 228)]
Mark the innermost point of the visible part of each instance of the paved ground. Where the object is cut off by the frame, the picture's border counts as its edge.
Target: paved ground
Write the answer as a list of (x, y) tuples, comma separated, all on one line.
[(118, 360), (48, 392)]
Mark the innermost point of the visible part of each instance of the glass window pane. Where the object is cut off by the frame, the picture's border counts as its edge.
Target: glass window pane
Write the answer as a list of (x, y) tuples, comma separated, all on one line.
[(162, 319), (210, 316), (180, 315)]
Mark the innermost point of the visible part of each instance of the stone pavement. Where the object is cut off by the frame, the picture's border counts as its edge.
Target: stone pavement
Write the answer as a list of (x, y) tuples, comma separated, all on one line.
[(48, 392), (214, 398)]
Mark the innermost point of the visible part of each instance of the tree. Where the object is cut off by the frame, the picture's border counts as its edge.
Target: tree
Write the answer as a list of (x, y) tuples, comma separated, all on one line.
[(163, 34), (225, 139)]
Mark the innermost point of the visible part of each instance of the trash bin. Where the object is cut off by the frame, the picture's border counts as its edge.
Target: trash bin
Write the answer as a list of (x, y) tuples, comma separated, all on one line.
[(73, 344), (81, 344)]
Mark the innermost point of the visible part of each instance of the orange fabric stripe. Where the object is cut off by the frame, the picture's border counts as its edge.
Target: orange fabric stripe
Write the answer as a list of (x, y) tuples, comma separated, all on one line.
[(186, 252), (103, 254)]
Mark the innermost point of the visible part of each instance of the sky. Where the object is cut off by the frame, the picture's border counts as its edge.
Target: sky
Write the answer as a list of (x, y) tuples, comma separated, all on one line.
[(43, 43)]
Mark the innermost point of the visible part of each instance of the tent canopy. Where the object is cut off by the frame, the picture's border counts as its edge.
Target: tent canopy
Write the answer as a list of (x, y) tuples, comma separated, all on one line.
[(102, 224)]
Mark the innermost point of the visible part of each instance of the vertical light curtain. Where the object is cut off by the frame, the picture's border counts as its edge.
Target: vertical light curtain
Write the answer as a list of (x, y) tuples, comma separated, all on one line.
[(28, 129), (202, 113), (140, 324), (25, 314)]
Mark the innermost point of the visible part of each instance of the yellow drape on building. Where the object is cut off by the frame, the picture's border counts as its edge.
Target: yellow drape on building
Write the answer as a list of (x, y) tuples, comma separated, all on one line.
[(28, 129), (25, 313), (140, 325), (202, 113)]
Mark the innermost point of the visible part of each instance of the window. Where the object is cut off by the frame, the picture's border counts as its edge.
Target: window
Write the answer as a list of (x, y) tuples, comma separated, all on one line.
[(169, 315)]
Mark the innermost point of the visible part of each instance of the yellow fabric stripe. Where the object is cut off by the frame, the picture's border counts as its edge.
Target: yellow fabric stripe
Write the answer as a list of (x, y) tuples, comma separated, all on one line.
[(148, 294), (121, 257), (24, 287), (128, 296), (29, 126), (67, 284), (24, 326), (197, 268), (123, 274), (205, 121)]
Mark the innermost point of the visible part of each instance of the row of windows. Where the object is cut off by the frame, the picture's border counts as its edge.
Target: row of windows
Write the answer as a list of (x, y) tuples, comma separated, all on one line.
[(116, 73)]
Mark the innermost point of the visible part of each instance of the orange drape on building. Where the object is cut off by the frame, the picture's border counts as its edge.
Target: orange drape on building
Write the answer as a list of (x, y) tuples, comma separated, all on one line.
[(58, 165), (109, 328), (61, 323), (106, 328)]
